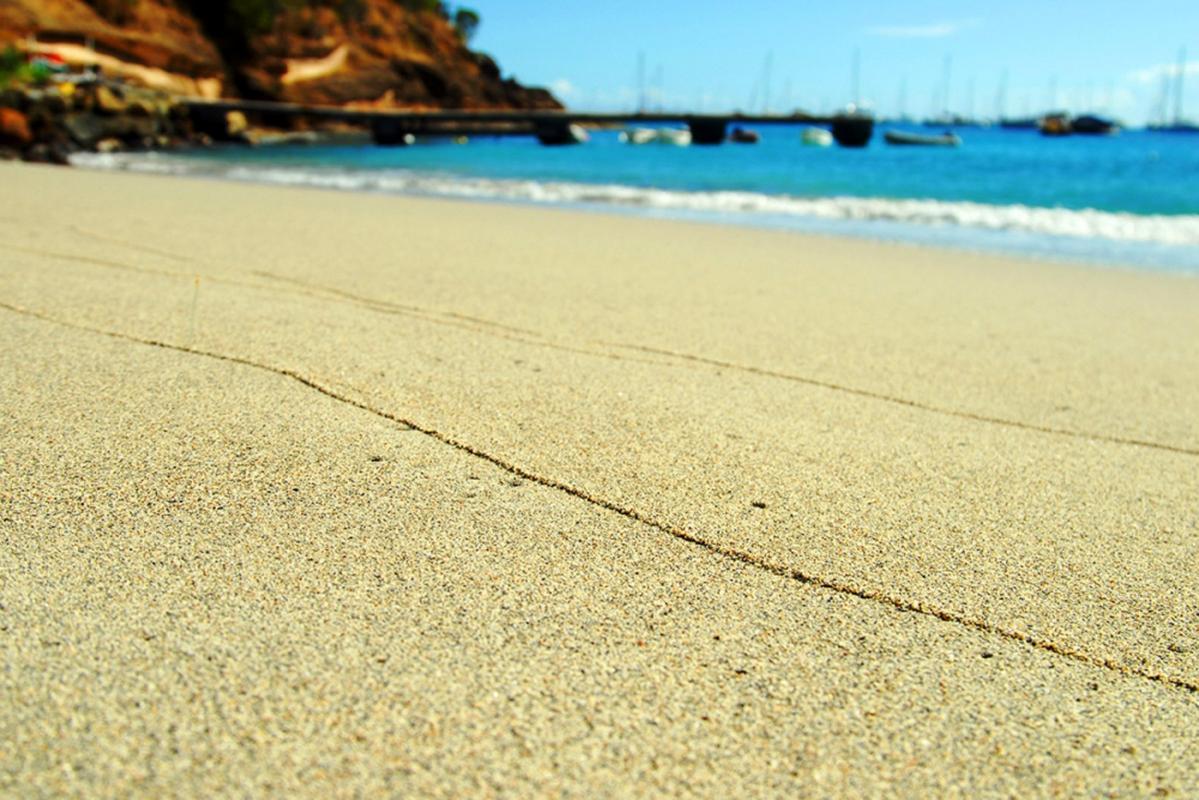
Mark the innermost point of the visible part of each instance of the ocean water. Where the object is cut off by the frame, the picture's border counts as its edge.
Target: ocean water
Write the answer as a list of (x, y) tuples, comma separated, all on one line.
[(1129, 200)]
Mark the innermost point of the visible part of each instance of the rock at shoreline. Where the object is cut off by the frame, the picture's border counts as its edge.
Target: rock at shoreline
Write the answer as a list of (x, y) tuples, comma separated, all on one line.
[(48, 123), (14, 130), (110, 101)]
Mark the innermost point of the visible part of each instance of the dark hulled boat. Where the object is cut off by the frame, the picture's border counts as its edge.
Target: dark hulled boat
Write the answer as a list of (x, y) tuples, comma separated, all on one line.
[(1019, 124), (1091, 125), (947, 139), (744, 136)]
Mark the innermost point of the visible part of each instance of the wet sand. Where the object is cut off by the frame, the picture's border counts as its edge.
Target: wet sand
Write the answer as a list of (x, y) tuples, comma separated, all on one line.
[(305, 492)]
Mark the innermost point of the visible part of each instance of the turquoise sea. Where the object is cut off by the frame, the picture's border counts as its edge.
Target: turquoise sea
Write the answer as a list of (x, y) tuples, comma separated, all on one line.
[(1131, 199)]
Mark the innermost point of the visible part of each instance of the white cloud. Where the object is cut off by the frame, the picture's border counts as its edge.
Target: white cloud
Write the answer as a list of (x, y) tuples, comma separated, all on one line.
[(564, 89), (1156, 73), (932, 30)]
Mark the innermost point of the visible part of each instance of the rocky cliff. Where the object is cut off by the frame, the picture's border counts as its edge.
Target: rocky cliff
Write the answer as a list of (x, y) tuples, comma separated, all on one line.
[(382, 53)]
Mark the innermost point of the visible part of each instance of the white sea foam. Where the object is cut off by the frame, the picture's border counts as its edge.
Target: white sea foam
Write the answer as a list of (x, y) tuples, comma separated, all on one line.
[(1181, 230)]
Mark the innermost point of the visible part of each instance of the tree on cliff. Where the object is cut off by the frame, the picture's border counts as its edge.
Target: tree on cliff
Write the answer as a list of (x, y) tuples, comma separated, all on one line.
[(466, 22)]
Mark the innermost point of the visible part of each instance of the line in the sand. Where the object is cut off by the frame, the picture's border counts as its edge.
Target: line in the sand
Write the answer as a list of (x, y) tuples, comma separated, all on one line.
[(281, 284), (542, 341), (903, 401), (524, 336), (453, 319), (103, 237), (637, 516)]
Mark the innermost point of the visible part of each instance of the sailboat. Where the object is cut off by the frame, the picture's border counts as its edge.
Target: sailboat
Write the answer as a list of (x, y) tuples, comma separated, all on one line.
[(1090, 124), (1180, 123), (678, 137), (638, 136), (816, 137), (741, 135), (1057, 123), (947, 139)]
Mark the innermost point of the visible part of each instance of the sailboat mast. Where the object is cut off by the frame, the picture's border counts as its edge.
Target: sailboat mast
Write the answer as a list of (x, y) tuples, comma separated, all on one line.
[(641, 82), (1163, 101), (1178, 84), (948, 82), (857, 77), (769, 70)]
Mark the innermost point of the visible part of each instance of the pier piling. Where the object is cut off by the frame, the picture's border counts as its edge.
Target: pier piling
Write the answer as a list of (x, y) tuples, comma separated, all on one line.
[(708, 131)]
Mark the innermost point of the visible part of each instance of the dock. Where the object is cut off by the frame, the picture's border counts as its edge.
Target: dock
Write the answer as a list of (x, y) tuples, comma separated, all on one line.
[(549, 127)]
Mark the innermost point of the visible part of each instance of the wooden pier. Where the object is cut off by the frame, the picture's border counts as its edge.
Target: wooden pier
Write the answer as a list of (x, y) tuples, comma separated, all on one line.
[(550, 127)]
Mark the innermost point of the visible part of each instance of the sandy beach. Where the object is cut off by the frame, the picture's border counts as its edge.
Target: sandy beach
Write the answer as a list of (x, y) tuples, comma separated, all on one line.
[(308, 493)]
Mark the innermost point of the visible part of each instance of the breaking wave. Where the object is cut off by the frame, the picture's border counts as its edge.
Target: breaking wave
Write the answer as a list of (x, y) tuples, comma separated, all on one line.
[(1181, 230)]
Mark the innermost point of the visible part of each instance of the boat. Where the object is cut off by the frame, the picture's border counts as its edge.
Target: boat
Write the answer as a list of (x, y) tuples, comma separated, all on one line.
[(948, 120), (680, 137), (557, 136), (947, 139), (1057, 124), (1019, 123), (853, 127), (1092, 125), (744, 136), (1177, 127), (639, 136), (1180, 123), (816, 137), (578, 134)]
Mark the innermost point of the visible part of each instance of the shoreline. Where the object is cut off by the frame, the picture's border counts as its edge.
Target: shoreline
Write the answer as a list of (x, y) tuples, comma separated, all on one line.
[(824, 218)]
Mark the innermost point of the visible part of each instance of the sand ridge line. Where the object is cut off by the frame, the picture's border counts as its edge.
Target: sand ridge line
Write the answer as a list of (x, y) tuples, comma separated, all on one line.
[(394, 305), (312, 287), (120, 265), (540, 339), (103, 237), (903, 401), (474, 325), (447, 318), (749, 559), (453, 319)]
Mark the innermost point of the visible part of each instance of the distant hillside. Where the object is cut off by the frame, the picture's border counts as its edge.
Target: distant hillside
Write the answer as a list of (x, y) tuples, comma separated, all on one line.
[(389, 53)]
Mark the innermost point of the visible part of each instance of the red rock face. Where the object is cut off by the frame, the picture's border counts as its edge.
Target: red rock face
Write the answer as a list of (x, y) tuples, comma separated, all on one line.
[(157, 33), (393, 57), (14, 129), (396, 58)]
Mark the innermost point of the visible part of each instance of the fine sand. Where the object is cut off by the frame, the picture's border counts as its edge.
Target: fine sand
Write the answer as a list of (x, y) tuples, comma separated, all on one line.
[(306, 493)]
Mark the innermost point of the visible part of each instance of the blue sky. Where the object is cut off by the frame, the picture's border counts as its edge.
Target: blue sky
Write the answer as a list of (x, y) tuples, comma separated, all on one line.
[(1106, 55)]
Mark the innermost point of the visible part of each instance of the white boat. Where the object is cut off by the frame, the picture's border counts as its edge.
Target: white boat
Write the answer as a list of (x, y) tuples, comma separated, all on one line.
[(579, 134), (679, 137), (639, 136), (816, 137)]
